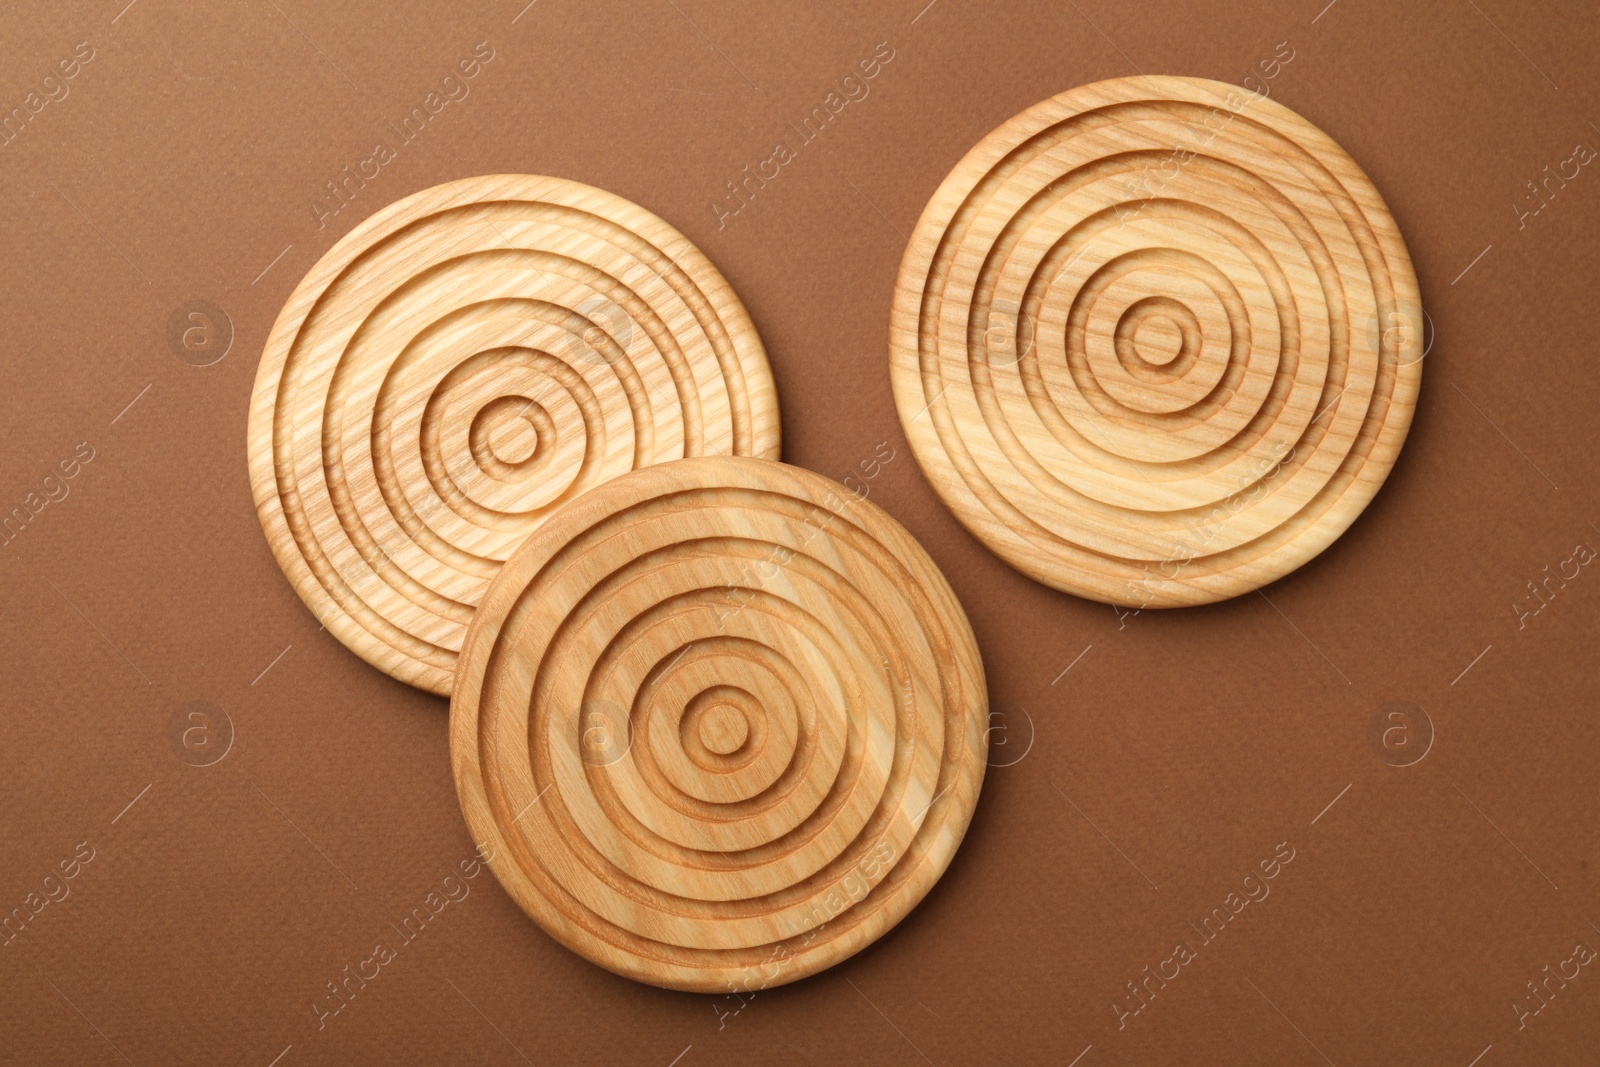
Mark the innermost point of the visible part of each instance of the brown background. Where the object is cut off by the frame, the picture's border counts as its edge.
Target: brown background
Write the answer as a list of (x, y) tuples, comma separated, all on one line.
[(1177, 751)]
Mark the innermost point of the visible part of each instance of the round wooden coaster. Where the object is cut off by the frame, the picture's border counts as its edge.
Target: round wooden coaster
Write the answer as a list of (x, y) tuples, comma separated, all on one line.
[(456, 368), (719, 724), (1156, 341)]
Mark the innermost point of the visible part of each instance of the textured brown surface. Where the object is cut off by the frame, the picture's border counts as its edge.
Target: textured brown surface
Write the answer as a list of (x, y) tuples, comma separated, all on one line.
[(1183, 745)]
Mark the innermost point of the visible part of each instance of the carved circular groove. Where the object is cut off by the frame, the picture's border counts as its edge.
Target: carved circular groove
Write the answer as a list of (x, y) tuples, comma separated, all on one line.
[(460, 365), (804, 709), (1156, 341)]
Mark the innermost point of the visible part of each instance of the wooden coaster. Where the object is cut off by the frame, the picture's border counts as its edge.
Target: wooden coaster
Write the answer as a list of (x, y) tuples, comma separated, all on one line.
[(719, 724), (456, 368), (1156, 341)]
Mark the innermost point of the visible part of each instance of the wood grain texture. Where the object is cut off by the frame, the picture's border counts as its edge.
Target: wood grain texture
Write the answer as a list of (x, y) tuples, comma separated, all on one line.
[(719, 724), (1156, 341), (456, 368)]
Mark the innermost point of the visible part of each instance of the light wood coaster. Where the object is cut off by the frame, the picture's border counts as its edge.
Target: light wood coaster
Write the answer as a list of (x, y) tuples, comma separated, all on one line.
[(1156, 341), (719, 724), (456, 368)]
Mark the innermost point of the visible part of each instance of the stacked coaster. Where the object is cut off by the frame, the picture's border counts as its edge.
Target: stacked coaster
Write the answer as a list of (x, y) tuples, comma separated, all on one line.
[(717, 722)]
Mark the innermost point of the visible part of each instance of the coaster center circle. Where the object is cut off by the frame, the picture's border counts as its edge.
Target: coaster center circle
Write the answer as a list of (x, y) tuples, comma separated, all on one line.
[(507, 432), (1158, 340), (724, 729), (513, 439)]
